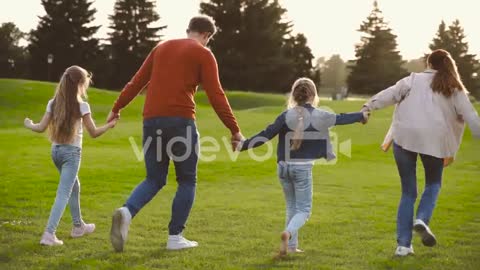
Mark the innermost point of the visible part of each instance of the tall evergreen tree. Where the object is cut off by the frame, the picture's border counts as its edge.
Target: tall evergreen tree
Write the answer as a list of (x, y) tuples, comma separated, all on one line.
[(378, 64), (297, 49), (254, 45), (453, 40), (12, 55), (66, 33), (132, 38)]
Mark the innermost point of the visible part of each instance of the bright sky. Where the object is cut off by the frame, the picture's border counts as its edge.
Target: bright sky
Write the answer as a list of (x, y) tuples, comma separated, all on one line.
[(330, 25)]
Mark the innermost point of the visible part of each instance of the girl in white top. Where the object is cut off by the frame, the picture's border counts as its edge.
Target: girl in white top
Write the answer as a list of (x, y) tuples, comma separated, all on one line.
[(431, 110), (64, 116)]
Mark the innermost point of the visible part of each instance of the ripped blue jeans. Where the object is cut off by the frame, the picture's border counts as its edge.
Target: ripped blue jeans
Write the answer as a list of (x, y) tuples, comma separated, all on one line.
[(296, 180)]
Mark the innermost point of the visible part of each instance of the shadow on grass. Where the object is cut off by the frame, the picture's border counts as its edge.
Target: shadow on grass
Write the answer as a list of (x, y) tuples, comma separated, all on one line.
[(412, 262)]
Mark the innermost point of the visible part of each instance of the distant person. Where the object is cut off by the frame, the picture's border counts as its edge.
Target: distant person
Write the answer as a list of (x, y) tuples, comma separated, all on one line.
[(64, 116), (431, 109), (172, 71), (303, 137)]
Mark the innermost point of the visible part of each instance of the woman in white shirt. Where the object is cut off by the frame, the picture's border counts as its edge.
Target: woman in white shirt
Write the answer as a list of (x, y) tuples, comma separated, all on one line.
[(431, 110)]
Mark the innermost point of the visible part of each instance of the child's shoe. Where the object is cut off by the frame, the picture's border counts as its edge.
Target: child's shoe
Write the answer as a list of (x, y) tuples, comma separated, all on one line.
[(49, 239), (82, 230)]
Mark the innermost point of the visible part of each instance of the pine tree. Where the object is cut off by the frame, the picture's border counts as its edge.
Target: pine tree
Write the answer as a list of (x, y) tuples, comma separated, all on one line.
[(132, 37), (453, 41), (12, 55), (66, 33), (298, 50), (334, 73), (378, 64), (254, 45)]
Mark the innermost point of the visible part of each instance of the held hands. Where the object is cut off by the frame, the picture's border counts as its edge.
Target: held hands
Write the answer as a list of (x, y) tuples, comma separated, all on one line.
[(366, 114), (236, 140), (112, 123), (113, 116)]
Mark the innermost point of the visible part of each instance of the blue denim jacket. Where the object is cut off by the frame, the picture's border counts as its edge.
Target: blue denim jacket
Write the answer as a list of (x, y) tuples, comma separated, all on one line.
[(316, 137)]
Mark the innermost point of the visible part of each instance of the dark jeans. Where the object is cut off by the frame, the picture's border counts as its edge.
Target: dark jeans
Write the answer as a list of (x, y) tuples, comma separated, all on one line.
[(166, 138), (407, 168)]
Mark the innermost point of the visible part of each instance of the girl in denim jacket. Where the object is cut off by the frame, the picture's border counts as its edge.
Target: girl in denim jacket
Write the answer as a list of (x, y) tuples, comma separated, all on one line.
[(303, 137)]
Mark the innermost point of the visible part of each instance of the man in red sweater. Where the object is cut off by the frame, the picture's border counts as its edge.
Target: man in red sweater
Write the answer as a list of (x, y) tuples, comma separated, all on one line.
[(173, 70)]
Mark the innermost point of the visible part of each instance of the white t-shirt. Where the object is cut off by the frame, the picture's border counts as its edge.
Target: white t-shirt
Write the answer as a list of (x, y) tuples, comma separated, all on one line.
[(84, 109)]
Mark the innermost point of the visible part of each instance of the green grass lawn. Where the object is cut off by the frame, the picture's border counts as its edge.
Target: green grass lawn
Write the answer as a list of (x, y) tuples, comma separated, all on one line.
[(239, 210)]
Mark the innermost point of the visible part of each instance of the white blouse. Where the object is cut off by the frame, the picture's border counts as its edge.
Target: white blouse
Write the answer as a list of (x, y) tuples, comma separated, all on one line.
[(424, 121)]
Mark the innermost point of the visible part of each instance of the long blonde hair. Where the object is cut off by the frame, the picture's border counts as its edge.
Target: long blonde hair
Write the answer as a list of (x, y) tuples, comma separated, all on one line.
[(303, 92), (447, 80), (66, 104)]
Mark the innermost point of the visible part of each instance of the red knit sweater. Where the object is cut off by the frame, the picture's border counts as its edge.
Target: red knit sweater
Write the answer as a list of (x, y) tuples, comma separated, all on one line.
[(173, 70)]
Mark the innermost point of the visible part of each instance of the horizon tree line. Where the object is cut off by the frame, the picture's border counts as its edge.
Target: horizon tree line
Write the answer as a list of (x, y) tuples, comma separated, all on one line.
[(253, 55)]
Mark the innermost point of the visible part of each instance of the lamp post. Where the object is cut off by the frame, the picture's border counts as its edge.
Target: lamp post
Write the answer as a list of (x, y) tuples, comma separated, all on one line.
[(50, 61)]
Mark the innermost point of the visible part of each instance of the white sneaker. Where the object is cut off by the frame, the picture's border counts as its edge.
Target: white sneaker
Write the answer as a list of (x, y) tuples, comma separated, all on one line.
[(49, 239), (82, 230), (176, 242), (120, 222), (428, 238), (404, 251)]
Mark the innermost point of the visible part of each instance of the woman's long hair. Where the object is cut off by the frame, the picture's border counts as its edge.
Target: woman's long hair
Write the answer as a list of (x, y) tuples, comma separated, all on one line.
[(303, 91), (447, 80), (66, 107)]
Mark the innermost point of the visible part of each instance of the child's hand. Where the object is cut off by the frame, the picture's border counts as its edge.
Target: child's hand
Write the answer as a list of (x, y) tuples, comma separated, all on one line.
[(28, 123), (236, 139), (112, 123), (366, 116), (237, 145)]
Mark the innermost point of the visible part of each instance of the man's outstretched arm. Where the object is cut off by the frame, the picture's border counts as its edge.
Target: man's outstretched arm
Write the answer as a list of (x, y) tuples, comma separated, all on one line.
[(216, 95), (133, 87)]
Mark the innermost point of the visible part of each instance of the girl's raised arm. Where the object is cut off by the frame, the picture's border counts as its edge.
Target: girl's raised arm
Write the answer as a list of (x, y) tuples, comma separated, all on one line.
[(93, 130), (265, 135), (40, 127)]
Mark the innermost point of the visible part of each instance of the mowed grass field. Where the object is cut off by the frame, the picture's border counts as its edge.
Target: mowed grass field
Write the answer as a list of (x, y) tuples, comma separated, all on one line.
[(239, 208)]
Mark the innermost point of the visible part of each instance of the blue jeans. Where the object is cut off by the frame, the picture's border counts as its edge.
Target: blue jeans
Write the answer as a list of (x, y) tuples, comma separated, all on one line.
[(407, 168), (296, 180), (67, 160), (166, 138)]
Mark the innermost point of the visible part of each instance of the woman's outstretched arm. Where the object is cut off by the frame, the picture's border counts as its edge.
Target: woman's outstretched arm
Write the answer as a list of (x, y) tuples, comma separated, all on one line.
[(467, 112), (390, 96)]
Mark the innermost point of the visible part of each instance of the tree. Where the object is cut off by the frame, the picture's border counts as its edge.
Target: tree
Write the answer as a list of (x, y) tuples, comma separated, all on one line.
[(297, 49), (12, 55), (334, 73), (415, 65), (453, 41), (378, 63), (65, 33), (132, 37), (254, 45)]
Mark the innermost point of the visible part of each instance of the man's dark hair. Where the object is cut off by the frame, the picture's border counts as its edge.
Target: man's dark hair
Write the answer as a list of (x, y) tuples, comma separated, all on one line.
[(202, 24)]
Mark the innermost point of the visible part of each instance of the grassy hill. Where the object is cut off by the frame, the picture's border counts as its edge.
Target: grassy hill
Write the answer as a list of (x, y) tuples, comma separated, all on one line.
[(239, 208)]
